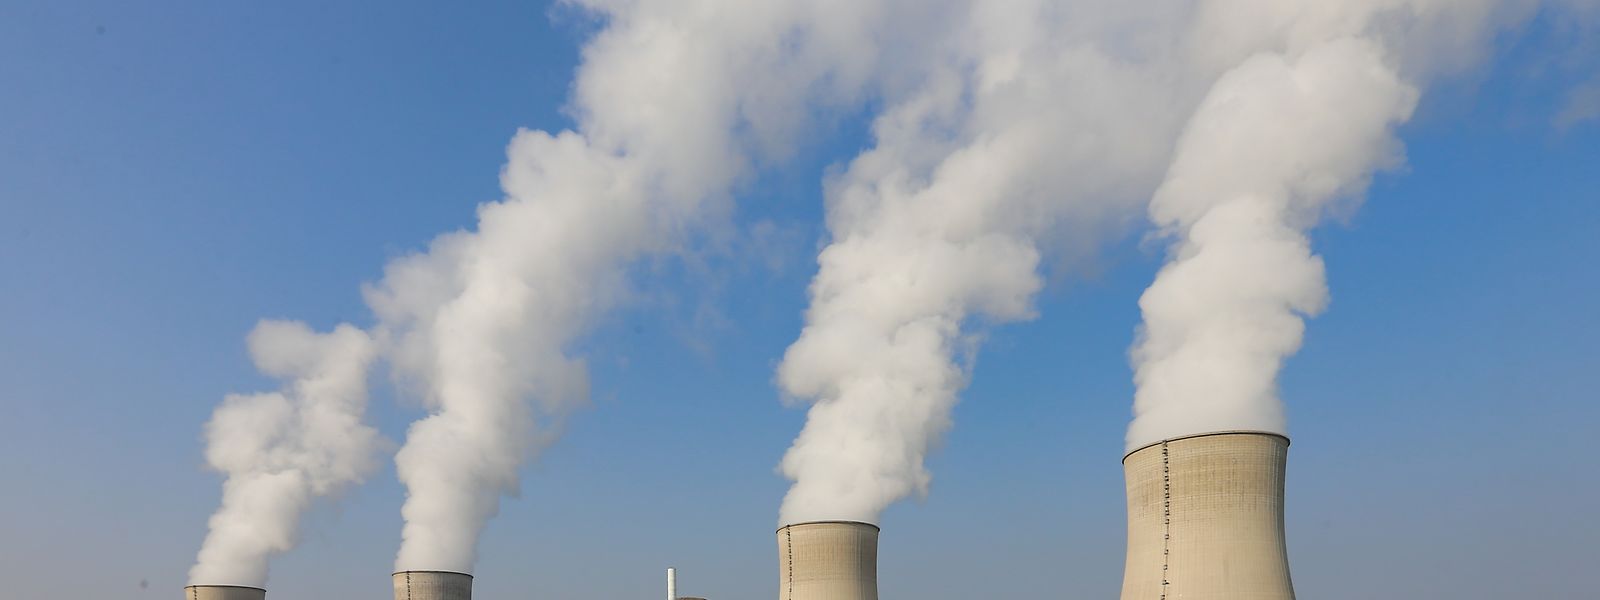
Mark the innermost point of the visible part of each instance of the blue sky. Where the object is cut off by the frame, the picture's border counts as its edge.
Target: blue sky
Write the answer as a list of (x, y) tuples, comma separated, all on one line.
[(169, 174)]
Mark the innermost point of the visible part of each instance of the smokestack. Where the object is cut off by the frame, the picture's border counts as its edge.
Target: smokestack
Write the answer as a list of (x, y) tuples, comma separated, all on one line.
[(672, 583), (223, 592), (1205, 519), (828, 560), (432, 585)]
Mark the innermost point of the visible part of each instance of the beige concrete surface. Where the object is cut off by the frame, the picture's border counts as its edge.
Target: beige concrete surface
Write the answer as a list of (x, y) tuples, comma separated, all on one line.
[(1205, 519), (432, 585), (828, 560), (223, 592)]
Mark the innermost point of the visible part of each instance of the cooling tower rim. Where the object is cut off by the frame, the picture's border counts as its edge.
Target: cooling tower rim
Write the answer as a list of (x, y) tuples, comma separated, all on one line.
[(467, 575), (831, 522), (238, 587), (1191, 436)]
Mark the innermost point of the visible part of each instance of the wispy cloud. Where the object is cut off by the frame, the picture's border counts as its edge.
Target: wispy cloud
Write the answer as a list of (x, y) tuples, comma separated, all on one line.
[(1582, 104)]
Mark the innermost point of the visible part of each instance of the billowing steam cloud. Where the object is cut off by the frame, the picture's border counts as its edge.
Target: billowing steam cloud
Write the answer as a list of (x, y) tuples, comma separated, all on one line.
[(1038, 131), (1302, 120), (280, 450), (1276, 140), (1041, 125), (674, 103), (1014, 136)]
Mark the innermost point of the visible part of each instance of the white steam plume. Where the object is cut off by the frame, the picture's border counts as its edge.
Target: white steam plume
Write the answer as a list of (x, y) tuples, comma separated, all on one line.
[(1038, 130), (1301, 119), (1039, 126), (674, 102), (1276, 140), (280, 450)]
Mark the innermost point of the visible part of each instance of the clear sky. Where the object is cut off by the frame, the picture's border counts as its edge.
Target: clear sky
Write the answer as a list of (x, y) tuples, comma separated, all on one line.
[(171, 172)]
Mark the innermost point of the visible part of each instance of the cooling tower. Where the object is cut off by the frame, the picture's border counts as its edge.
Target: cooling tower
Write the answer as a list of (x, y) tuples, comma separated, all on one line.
[(432, 585), (223, 592), (1205, 519), (828, 560)]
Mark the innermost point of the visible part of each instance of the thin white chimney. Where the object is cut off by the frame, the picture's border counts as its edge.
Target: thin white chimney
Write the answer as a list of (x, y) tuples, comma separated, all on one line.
[(672, 583)]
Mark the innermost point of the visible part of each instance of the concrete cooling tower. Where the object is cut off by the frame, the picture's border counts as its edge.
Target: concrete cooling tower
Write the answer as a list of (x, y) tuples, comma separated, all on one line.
[(223, 592), (432, 585), (828, 560), (1205, 519)]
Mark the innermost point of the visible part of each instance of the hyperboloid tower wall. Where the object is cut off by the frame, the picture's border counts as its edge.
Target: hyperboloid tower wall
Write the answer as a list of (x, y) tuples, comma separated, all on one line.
[(432, 585), (1205, 519), (223, 592), (828, 560)]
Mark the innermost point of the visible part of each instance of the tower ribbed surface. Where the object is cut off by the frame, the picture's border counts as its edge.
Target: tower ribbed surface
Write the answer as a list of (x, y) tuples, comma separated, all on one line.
[(432, 585), (833, 560), (223, 592), (1205, 519)]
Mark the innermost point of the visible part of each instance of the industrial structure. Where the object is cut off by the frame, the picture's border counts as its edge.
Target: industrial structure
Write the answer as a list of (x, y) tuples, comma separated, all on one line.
[(223, 592), (828, 560), (432, 585), (1205, 522), (1205, 519), (672, 587)]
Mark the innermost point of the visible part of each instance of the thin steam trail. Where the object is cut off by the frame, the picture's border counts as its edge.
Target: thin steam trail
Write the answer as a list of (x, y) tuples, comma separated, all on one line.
[(280, 450)]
